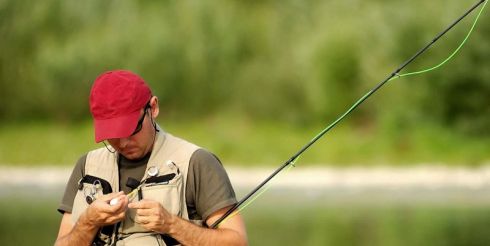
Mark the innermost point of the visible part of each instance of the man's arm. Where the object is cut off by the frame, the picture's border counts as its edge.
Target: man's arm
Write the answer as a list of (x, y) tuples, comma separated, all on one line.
[(98, 214), (153, 216), (82, 233), (230, 232)]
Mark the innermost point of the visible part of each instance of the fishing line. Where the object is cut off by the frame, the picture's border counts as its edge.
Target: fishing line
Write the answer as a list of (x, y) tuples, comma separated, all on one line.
[(394, 75), (450, 56), (262, 190)]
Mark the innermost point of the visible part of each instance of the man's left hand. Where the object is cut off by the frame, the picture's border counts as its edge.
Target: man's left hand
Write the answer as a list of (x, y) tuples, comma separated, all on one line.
[(152, 216)]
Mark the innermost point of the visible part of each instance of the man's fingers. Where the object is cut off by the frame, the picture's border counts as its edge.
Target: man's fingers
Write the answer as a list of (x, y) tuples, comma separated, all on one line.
[(102, 204), (143, 204), (141, 219), (121, 215), (146, 212), (119, 203), (110, 196)]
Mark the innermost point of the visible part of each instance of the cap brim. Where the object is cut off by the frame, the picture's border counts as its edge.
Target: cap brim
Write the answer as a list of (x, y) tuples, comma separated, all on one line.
[(119, 127)]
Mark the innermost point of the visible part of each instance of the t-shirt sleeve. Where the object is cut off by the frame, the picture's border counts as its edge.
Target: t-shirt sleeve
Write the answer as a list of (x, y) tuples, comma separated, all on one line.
[(66, 204), (208, 186)]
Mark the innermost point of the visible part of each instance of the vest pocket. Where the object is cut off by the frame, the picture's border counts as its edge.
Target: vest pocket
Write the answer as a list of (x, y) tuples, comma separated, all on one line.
[(168, 194)]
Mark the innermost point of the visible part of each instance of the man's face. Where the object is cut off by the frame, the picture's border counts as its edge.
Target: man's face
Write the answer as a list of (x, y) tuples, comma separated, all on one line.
[(140, 143)]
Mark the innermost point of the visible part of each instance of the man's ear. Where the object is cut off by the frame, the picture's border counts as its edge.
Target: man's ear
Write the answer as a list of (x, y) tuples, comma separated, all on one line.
[(155, 110)]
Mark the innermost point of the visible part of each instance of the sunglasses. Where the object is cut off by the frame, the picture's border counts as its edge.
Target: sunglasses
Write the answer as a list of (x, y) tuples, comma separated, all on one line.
[(139, 126)]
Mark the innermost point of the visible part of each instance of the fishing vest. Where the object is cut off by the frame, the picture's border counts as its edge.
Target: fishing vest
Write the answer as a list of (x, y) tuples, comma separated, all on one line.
[(164, 181)]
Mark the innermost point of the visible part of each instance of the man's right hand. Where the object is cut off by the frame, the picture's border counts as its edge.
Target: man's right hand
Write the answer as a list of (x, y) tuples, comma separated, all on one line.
[(98, 214), (101, 213)]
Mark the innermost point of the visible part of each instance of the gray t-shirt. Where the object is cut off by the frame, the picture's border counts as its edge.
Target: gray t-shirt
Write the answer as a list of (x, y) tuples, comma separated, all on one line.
[(208, 187)]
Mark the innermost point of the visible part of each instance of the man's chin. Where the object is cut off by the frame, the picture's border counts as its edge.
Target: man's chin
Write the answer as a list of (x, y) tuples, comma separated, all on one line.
[(134, 155)]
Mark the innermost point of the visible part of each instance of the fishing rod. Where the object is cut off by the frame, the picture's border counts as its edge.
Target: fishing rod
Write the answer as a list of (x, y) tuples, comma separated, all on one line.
[(395, 74)]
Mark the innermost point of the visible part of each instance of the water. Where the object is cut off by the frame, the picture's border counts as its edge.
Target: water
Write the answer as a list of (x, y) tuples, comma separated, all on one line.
[(323, 207)]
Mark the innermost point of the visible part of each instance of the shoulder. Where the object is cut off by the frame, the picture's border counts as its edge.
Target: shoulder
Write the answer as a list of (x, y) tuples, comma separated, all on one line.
[(204, 157), (205, 166), (80, 165), (203, 161), (79, 169)]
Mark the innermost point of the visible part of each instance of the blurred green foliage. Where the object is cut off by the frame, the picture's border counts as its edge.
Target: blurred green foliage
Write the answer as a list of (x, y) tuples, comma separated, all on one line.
[(299, 62)]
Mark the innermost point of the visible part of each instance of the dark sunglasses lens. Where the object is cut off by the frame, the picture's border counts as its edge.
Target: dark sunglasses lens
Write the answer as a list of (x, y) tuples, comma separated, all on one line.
[(138, 127), (140, 124), (140, 121)]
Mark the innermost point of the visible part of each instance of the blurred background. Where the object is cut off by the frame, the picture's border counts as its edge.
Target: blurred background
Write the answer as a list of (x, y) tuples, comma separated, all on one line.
[(253, 81)]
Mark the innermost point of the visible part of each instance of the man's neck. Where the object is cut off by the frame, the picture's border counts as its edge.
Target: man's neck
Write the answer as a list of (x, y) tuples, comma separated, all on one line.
[(123, 161)]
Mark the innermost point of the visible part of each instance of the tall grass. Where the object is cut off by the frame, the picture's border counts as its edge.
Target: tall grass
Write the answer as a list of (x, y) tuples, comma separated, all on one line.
[(242, 141)]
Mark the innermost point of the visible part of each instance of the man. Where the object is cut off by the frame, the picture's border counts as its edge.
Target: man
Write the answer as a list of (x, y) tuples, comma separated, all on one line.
[(147, 186)]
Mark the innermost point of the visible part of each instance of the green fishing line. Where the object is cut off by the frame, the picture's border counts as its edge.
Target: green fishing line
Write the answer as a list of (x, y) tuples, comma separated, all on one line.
[(450, 56)]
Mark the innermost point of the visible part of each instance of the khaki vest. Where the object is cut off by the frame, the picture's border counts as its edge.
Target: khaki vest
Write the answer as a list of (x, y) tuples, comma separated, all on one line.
[(102, 165)]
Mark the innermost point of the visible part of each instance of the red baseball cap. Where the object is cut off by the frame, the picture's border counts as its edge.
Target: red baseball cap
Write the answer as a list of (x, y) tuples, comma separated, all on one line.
[(116, 100)]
